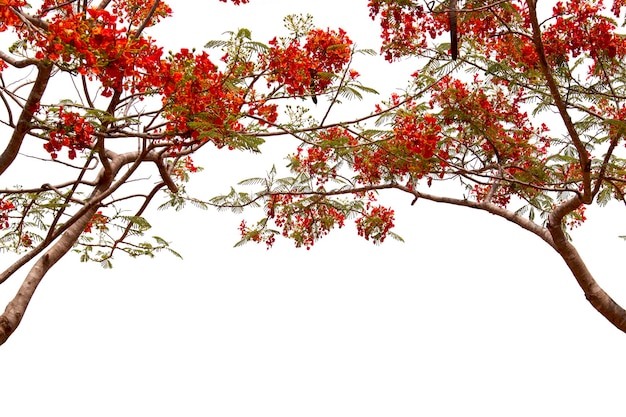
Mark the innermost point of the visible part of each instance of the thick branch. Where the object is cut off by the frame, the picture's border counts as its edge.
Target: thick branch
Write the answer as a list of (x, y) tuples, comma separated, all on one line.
[(96, 198), (523, 222), (583, 157), (555, 237), (598, 298), (454, 42), (23, 123), (16, 308), (18, 63)]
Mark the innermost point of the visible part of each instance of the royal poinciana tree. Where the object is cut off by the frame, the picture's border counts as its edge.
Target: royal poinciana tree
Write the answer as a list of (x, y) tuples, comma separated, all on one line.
[(93, 107), (87, 93), (521, 104)]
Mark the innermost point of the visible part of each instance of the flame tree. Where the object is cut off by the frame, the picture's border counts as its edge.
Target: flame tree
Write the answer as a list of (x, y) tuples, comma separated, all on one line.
[(124, 108), (92, 107), (522, 105)]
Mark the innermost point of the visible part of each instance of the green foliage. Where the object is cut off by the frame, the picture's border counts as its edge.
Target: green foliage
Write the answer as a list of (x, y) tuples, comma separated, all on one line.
[(298, 25)]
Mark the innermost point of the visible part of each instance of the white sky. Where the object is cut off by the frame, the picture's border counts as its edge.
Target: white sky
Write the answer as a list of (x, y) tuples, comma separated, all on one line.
[(471, 316)]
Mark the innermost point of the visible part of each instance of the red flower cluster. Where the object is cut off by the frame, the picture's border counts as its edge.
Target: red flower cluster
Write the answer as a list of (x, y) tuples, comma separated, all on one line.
[(189, 165), (577, 217), (5, 207), (308, 68), (200, 100), (375, 223), (576, 26), (268, 113), (580, 27), (411, 149), (493, 119), (254, 235), (72, 132), (182, 170), (303, 220), (320, 160), (197, 100), (405, 26), (136, 11), (26, 240), (99, 221), (8, 18), (93, 45)]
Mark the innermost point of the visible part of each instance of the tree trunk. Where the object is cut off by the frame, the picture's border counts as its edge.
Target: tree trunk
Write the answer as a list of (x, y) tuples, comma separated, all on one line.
[(15, 309), (598, 298)]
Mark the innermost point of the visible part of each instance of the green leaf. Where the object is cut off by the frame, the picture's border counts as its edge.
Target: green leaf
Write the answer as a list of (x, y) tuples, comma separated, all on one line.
[(365, 89), (395, 236), (216, 44), (252, 181), (138, 223), (173, 252), (370, 52), (244, 33), (350, 93), (604, 196)]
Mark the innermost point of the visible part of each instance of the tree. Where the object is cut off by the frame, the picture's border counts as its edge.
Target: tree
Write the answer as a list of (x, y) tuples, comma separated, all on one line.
[(494, 132), (135, 111), (106, 108)]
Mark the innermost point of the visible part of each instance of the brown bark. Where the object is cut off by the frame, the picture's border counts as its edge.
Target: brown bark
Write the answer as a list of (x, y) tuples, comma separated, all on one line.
[(107, 184), (15, 309), (598, 298), (553, 235), (559, 103), (23, 124)]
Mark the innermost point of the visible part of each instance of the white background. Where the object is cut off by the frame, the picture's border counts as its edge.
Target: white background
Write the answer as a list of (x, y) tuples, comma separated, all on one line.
[(471, 316)]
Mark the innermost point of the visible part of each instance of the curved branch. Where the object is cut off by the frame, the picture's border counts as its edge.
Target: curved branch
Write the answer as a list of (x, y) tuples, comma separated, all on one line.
[(92, 204), (146, 21), (14, 311), (69, 234), (144, 206), (598, 298), (583, 156), (23, 63), (24, 121), (165, 175), (523, 222)]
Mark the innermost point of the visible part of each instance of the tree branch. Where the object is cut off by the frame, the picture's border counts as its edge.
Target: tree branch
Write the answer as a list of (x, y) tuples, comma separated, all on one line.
[(146, 21), (24, 121), (598, 298), (69, 234), (583, 156)]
